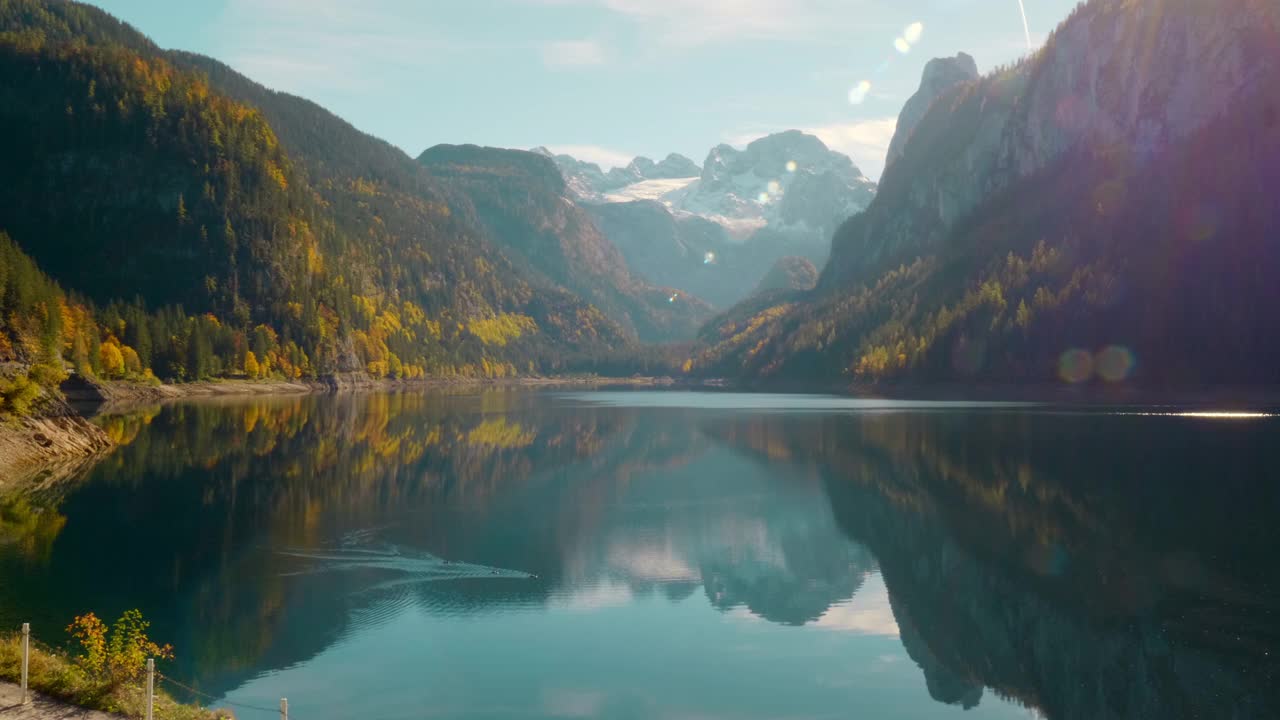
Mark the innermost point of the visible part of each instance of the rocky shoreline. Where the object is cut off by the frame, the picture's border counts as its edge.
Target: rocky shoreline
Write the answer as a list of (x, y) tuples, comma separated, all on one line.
[(39, 451)]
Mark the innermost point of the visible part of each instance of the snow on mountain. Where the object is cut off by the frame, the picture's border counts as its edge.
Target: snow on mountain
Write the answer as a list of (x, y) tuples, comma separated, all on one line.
[(783, 195), (742, 190), (649, 189), (590, 183)]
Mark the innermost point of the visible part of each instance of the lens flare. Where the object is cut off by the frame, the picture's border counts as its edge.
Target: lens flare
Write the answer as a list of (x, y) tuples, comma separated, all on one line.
[(902, 46), (858, 93), (1114, 363), (708, 258), (1075, 366), (791, 166), (1026, 27), (775, 187), (913, 32), (763, 197), (673, 297)]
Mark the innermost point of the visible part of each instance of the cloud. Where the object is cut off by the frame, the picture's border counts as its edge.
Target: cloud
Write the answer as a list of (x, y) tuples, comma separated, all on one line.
[(572, 702), (865, 141), (305, 46), (690, 23), (596, 597), (573, 54), (868, 613), (604, 157)]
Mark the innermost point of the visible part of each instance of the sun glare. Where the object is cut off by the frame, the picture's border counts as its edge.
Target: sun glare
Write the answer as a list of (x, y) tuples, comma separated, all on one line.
[(858, 93), (913, 32)]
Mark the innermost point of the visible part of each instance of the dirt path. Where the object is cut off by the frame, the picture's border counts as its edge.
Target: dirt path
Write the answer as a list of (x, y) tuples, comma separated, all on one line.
[(42, 708)]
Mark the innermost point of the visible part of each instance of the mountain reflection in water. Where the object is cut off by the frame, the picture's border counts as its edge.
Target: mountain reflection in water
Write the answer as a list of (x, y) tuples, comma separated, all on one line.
[(648, 554)]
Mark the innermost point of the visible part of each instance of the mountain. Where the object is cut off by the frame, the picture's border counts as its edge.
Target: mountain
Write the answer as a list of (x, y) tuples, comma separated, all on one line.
[(940, 75), (749, 189), (783, 195), (1097, 212), (684, 252), (219, 226), (589, 182), (789, 273), (693, 253), (673, 165), (523, 202)]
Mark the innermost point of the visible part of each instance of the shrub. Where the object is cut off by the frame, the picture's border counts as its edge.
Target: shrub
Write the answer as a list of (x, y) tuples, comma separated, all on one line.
[(118, 655)]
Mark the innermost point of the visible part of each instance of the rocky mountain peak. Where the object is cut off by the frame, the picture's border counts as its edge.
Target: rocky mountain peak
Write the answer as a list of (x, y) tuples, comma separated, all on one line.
[(771, 157), (674, 165), (940, 75)]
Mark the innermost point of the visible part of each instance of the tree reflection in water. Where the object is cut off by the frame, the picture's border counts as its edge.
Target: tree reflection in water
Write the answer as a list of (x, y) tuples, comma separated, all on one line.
[(1086, 566)]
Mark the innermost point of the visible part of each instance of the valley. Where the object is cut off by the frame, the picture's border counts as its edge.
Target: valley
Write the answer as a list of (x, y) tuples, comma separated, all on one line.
[(921, 374)]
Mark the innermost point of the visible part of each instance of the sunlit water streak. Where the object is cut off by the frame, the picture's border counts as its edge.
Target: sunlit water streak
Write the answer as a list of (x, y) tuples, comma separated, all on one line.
[(1207, 415), (772, 401)]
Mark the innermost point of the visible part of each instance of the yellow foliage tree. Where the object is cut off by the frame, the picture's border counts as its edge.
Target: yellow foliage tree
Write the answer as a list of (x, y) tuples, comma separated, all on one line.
[(251, 367), (112, 359), (132, 363)]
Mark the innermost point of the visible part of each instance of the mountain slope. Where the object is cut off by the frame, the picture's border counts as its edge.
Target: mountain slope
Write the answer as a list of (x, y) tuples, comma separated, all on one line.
[(522, 199), (133, 172), (1074, 218), (940, 75), (789, 273), (692, 253)]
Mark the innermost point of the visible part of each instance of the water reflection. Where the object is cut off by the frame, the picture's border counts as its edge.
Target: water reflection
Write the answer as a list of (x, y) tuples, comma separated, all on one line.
[(1088, 566), (511, 553)]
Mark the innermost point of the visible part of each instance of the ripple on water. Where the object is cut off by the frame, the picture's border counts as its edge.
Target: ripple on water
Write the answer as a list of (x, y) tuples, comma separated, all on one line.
[(416, 566), (398, 580)]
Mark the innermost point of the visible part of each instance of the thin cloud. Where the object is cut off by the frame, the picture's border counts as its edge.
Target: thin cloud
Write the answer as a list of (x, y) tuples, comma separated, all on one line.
[(573, 54), (314, 45), (866, 141), (604, 157), (690, 23), (867, 613)]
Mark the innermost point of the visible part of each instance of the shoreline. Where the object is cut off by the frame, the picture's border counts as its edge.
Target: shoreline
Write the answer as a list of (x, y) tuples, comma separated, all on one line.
[(113, 397), (38, 451)]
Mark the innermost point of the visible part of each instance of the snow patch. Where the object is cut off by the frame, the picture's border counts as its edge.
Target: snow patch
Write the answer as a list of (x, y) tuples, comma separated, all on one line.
[(649, 189)]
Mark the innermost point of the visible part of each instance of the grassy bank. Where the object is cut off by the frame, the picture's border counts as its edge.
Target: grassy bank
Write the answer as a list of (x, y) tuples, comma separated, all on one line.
[(54, 674)]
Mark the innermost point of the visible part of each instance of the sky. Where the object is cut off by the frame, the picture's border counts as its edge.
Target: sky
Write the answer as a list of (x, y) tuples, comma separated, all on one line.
[(604, 80)]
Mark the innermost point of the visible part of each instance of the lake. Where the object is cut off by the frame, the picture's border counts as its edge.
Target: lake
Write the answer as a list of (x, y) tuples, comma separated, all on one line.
[(539, 554)]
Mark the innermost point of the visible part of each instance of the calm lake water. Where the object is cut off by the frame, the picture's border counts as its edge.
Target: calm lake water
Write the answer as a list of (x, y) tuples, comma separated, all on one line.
[(678, 555)]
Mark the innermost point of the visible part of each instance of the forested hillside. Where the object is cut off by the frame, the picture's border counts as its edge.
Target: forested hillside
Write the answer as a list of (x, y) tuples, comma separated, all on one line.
[(1027, 237), (266, 236), (522, 201)]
